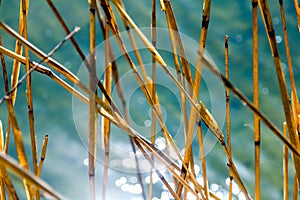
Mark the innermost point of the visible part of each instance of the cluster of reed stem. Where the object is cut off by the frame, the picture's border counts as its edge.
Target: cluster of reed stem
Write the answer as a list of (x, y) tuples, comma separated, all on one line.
[(97, 95)]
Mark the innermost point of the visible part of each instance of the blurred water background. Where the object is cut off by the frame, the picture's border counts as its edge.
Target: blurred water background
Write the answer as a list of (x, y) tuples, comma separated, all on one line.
[(66, 163)]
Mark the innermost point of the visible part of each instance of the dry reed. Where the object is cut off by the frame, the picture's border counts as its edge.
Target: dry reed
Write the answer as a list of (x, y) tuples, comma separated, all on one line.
[(98, 97)]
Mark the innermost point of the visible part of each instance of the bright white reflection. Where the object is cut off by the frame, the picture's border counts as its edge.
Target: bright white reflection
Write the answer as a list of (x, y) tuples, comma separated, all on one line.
[(278, 39), (155, 178), (86, 162), (147, 122), (164, 196), (214, 187), (129, 163), (241, 196)]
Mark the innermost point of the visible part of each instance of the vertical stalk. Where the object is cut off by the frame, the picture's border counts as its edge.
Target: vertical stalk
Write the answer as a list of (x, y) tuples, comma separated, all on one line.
[(25, 4), (289, 59), (285, 168), (196, 87), (153, 92), (297, 12), (43, 156), (295, 192), (228, 113), (281, 80), (92, 138), (2, 180), (11, 191), (203, 162), (105, 122), (256, 119)]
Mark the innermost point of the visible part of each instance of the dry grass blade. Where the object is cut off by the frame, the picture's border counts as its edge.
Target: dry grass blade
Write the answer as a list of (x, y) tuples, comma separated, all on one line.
[(256, 119), (227, 95), (9, 163), (264, 7)]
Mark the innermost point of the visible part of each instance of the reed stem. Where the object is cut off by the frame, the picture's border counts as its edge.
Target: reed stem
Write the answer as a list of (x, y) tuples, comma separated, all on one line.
[(264, 7), (256, 120)]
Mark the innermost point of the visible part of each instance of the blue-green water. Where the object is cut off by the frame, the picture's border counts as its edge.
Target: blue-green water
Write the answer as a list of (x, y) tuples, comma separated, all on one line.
[(65, 169)]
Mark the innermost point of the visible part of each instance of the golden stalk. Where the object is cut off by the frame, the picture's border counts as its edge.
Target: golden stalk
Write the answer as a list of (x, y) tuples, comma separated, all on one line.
[(92, 119), (196, 84), (105, 122), (134, 46), (43, 156), (17, 136), (264, 7), (20, 171), (25, 4), (289, 61), (5, 181), (172, 25), (297, 12), (203, 162), (18, 50), (256, 119), (6, 88), (109, 52), (285, 168), (295, 191), (227, 95)]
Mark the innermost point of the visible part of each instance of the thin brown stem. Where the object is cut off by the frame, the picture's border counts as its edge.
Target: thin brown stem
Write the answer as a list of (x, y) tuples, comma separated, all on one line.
[(256, 119)]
